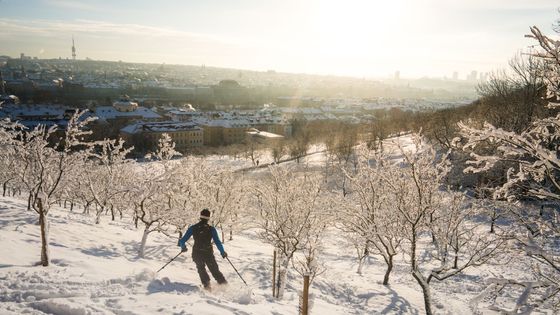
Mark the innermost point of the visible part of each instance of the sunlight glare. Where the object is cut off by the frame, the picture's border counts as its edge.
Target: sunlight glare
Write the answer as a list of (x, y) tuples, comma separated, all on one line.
[(356, 27)]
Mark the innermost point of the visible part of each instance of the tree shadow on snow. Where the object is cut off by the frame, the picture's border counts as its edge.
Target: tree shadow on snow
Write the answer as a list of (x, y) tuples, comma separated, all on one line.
[(151, 251), (336, 293), (398, 304), (164, 285), (17, 220), (102, 251)]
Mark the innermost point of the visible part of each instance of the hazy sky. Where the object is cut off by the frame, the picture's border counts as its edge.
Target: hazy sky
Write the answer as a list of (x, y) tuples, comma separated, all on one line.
[(346, 37)]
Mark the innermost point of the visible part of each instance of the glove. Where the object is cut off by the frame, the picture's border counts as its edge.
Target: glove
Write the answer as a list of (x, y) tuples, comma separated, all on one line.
[(184, 249), (224, 255)]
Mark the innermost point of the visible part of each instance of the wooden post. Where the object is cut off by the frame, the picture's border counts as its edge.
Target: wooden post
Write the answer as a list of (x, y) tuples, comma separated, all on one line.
[(274, 274), (305, 296)]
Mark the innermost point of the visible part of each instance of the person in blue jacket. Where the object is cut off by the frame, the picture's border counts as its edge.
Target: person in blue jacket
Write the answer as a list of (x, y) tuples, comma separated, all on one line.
[(202, 252)]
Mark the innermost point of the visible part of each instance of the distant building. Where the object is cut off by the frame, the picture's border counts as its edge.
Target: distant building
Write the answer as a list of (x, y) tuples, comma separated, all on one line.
[(472, 76), (185, 135), (223, 132), (230, 92), (184, 114), (32, 116), (125, 105), (8, 99), (455, 75), (106, 113), (125, 110)]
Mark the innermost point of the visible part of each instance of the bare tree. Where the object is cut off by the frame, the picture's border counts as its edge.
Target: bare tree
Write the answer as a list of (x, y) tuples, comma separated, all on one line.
[(153, 193), (288, 206), (108, 175), (374, 226), (45, 167), (278, 150), (416, 191)]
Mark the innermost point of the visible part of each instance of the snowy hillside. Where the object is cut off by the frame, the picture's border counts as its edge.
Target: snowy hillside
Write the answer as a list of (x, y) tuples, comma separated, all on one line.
[(95, 270)]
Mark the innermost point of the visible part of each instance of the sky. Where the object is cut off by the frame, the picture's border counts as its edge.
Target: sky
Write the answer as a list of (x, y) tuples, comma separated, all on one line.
[(362, 38)]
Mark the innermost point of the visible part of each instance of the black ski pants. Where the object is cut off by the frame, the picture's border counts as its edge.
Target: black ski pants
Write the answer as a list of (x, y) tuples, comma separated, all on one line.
[(203, 259)]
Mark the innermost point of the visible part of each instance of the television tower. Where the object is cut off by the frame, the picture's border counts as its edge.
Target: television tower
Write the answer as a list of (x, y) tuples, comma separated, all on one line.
[(73, 49)]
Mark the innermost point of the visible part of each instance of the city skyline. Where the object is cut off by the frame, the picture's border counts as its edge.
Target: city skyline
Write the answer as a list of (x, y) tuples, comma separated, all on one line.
[(352, 38)]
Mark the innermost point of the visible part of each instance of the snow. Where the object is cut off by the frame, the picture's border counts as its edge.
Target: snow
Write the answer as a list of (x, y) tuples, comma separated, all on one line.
[(96, 270)]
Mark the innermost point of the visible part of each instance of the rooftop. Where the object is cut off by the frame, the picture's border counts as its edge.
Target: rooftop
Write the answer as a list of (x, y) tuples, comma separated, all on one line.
[(162, 126)]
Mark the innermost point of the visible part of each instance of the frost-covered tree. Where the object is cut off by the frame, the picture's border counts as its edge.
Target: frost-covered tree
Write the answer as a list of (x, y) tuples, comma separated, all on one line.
[(459, 238), (373, 225), (278, 150), (10, 136), (534, 154), (290, 214), (107, 175), (189, 195), (253, 150), (153, 191), (223, 195), (298, 146), (309, 264), (46, 163), (424, 209)]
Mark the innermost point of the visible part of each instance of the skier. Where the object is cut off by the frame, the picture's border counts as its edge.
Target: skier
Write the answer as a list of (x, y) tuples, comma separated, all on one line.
[(202, 253)]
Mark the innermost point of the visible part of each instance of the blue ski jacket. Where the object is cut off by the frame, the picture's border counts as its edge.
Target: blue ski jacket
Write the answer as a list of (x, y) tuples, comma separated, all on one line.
[(215, 238)]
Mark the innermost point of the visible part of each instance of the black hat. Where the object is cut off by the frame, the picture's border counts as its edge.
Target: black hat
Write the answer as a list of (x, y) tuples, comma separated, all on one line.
[(205, 214)]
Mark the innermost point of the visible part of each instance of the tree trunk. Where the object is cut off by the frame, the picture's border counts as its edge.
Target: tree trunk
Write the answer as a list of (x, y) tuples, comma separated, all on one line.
[(456, 252), (44, 224), (112, 213), (71, 206), (389, 269), (425, 291), (143, 242), (282, 276), (361, 258), (29, 201), (86, 207), (4, 187), (416, 272), (98, 216)]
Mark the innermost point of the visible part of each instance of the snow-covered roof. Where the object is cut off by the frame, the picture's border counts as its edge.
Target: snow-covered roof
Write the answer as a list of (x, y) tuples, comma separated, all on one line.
[(162, 126), (264, 134), (226, 123), (302, 110), (22, 111), (180, 112), (109, 112)]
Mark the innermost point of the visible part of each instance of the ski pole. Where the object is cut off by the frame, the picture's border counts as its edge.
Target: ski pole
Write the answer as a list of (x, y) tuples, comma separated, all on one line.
[(172, 259), (236, 271)]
